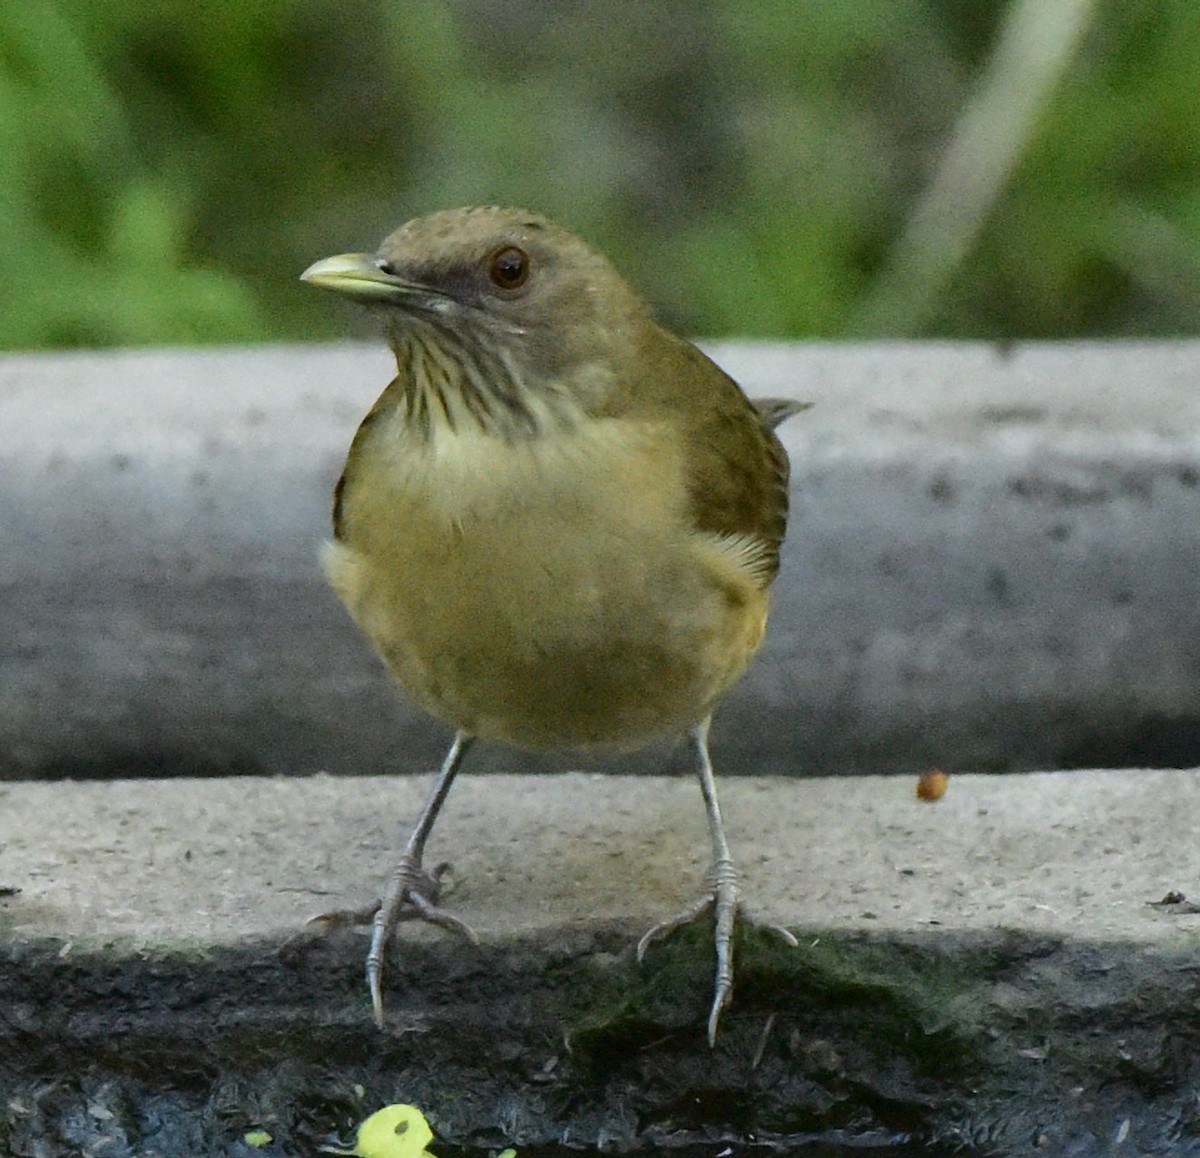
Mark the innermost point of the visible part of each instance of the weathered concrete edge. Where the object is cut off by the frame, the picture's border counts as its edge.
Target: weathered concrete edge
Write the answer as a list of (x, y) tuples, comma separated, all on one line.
[(991, 564)]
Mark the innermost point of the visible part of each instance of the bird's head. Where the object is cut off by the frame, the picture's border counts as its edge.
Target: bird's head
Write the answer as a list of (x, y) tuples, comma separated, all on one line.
[(499, 302)]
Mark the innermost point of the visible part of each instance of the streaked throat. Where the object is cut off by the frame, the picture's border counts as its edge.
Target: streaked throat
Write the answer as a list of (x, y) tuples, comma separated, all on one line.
[(459, 384)]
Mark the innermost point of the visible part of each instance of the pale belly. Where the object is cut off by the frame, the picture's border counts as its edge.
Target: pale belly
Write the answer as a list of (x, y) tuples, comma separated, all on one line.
[(544, 633)]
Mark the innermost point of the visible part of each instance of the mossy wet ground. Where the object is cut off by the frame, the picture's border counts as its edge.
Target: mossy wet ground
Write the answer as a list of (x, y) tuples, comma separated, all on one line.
[(1002, 1044)]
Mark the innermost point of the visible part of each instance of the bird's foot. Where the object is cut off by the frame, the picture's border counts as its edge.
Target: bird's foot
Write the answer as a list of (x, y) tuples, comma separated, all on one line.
[(412, 894), (726, 904), (425, 884)]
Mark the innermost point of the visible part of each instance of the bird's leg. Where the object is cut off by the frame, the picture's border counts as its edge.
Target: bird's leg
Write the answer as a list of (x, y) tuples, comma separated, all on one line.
[(411, 892), (725, 898)]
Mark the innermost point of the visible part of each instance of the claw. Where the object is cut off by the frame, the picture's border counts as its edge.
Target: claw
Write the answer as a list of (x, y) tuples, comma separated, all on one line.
[(344, 918), (687, 916), (424, 911), (721, 998)]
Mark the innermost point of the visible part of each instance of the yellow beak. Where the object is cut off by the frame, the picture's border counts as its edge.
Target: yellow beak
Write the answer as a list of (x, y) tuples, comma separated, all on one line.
[(357, 275)]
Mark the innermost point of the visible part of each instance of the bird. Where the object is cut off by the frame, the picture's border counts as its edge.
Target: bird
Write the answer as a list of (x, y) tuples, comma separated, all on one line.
[(557, 525)]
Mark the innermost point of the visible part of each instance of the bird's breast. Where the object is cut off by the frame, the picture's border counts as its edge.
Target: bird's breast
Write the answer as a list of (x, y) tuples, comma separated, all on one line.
[(549, 592)]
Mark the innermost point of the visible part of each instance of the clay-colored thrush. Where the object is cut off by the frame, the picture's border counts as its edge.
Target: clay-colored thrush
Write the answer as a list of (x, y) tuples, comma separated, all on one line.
[(558, 523)]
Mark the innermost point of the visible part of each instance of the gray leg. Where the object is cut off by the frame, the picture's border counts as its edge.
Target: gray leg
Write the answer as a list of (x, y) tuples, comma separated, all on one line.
[(411, 892), (725, 898)]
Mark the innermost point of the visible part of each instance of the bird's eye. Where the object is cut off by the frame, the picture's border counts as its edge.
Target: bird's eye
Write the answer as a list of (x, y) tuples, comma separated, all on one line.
[(509, 267)]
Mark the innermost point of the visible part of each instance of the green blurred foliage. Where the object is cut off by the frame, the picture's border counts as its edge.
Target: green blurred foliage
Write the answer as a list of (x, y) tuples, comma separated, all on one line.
[(167, 169)]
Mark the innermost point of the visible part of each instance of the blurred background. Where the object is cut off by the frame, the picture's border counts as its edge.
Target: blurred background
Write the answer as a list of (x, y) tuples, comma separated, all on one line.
[(762, 168)]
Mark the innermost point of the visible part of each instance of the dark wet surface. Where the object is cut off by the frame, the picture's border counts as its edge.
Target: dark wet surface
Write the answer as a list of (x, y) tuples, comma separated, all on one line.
[(863, 1046)]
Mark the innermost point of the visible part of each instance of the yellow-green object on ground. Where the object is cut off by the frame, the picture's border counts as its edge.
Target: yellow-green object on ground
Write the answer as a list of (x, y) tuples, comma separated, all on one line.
[(396, 1131)]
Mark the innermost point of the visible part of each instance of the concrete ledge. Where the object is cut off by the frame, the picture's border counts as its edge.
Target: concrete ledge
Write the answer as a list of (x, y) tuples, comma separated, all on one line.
[(209, 862), (992, 564), (985, 971)]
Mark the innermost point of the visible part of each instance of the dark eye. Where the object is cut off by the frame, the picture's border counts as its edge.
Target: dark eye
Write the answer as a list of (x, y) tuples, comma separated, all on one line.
[(509, 267)]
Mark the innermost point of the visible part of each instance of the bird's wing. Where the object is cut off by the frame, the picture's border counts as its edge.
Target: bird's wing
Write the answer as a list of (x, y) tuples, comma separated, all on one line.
[(738, 470)]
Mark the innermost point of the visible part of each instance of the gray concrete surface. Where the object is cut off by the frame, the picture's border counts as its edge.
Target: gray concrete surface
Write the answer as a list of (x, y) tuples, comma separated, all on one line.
[(992, 564), (214, 862), (209, 863)]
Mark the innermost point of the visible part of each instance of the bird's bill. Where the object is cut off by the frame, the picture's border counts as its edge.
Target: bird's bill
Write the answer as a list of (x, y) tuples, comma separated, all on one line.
[(358, 276)]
